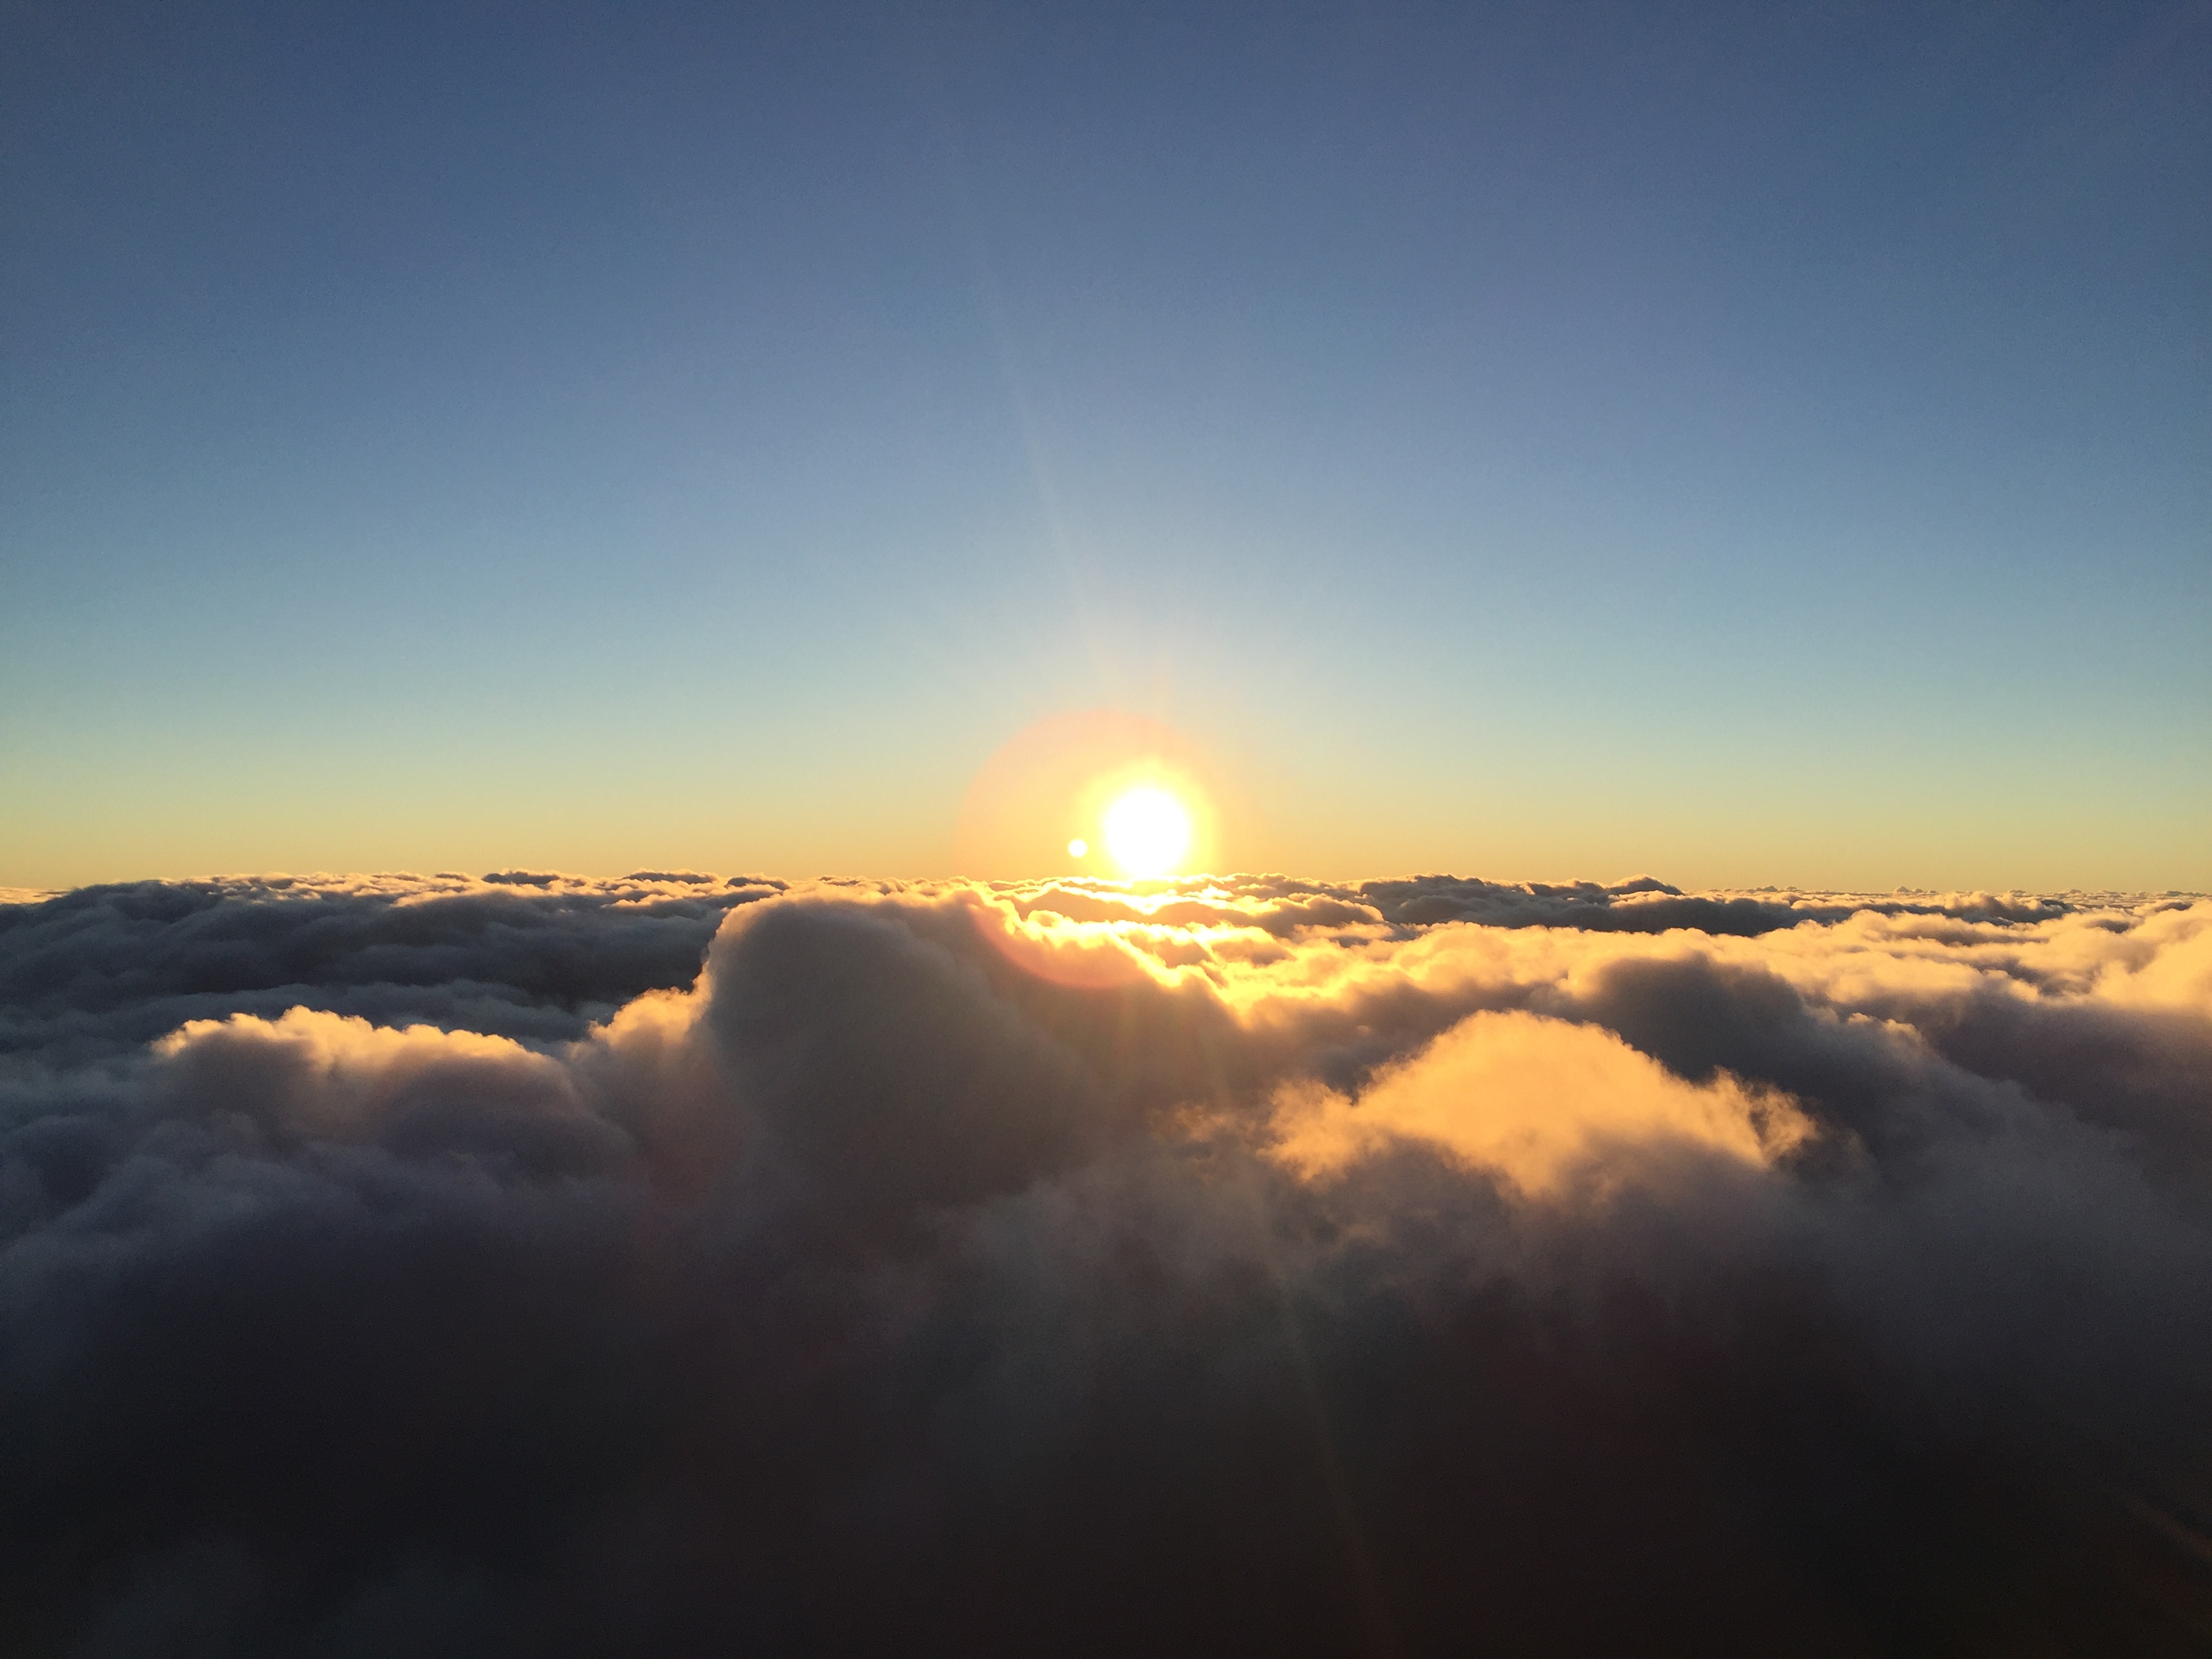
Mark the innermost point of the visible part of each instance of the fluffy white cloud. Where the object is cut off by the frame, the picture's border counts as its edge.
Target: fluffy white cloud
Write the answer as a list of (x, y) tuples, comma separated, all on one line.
[(1245, 1265)]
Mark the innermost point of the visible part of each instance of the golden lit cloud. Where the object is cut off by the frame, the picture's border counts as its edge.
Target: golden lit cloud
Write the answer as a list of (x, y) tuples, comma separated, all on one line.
[(1535, 1099)]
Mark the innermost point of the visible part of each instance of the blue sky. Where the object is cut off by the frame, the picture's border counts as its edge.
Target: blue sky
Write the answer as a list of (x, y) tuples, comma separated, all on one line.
[(1529, 441)]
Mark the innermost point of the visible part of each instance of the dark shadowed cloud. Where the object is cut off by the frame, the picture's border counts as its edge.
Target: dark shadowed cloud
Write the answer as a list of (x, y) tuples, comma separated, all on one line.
[(524, 1264)]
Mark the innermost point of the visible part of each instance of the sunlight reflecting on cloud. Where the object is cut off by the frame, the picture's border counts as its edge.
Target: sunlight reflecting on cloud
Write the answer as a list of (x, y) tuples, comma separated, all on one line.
[(1539, 1100)]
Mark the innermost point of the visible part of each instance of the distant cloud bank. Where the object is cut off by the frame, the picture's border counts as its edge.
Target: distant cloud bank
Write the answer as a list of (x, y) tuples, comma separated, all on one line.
[(524, 1264)]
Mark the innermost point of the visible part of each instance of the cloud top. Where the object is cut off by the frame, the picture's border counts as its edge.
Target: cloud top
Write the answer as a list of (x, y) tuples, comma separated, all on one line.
[(1233, 1265)]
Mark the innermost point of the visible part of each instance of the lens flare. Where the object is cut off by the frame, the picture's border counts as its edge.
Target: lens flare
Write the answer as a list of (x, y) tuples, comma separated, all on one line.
[(1147, 833), (1042, 804)]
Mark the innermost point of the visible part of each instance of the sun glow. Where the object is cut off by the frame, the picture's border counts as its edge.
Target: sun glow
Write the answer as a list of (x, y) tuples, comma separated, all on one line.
[(1147, 832), (1093, 792)]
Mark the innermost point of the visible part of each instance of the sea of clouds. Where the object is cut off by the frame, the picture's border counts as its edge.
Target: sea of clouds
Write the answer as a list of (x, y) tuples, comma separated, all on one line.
[(522, 1264)]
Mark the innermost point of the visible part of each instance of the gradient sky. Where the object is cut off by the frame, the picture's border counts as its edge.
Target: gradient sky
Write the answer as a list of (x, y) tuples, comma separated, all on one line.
[(1750, 444)]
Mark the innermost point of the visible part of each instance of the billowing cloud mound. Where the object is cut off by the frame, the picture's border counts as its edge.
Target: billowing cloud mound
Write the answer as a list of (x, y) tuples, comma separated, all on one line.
[(1244, 1266)]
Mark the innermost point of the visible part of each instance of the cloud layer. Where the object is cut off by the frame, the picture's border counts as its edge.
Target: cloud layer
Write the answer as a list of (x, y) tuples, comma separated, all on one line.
[(1245, 1266)]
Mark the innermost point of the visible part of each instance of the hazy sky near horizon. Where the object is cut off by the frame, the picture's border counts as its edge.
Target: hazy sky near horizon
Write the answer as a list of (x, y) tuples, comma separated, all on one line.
[(1749, 445)]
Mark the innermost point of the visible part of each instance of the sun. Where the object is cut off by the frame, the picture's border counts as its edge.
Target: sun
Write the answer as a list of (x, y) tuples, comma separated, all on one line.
[(1096, 792), (1147, 832)]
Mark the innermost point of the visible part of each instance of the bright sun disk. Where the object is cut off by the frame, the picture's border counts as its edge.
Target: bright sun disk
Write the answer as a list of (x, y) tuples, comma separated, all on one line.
[(1147, 832)]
